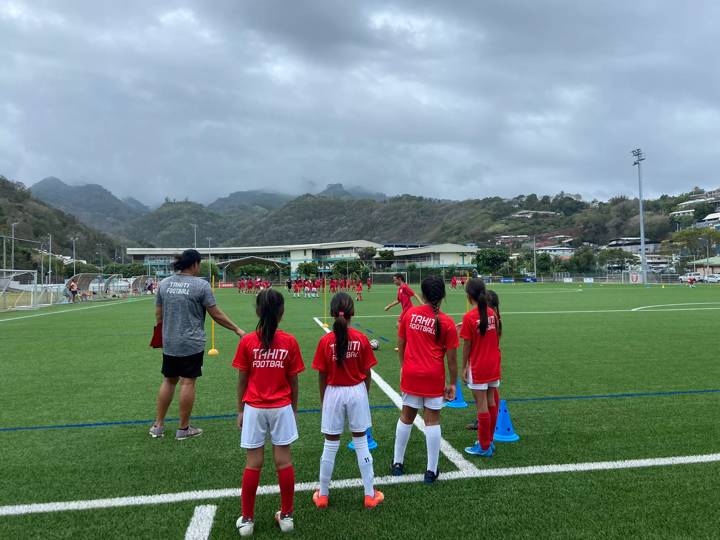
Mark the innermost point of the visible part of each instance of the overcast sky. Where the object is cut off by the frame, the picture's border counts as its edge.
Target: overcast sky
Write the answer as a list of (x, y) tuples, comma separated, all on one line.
[(452, 99)]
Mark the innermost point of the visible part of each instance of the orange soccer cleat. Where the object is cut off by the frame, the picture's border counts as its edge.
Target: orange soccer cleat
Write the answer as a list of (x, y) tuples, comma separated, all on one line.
[(377, 498), (321, 501)]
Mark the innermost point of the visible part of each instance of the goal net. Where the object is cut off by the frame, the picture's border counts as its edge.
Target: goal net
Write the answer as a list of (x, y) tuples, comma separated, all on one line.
[(18, 289), (384, 278)]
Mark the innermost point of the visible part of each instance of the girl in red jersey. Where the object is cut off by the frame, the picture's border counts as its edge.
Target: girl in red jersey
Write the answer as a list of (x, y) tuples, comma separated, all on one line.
[(453, 282), (481, 363), (344, 359), (369, 283), (404, 296), (268, 361), (358, 291), (426, 338)]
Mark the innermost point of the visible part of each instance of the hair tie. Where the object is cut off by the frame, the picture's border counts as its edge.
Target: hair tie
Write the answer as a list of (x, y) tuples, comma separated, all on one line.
[(341, 314)]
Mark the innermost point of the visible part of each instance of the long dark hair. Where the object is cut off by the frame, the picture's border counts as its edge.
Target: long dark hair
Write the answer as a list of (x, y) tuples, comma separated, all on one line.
[(269, 307), (186, 259), (475, 289), (433, 289), (494, 302), (342, 308)]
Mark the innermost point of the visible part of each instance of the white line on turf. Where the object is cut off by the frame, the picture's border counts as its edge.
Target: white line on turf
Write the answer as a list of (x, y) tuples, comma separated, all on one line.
[(72, 310), (201, 522), (166, 498), (641, 308), (448, 451)]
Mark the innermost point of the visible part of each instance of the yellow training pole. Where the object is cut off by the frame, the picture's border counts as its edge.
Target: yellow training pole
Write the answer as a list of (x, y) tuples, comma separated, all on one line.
[(325, 293), (213, 351)]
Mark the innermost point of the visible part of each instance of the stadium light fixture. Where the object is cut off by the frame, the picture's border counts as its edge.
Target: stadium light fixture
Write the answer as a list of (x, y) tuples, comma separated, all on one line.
[(639, 156)]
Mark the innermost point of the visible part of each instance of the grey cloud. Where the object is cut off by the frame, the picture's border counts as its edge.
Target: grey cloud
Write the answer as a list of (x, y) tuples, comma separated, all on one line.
[(453, 99)]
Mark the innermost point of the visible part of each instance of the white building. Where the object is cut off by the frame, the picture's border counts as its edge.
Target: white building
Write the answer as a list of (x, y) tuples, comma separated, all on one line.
[(631, 244), (563, 252), (436, 256)]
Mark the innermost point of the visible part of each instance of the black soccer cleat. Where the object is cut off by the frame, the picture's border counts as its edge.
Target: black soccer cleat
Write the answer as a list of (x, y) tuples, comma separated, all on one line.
[(430, 476), (397, 469)]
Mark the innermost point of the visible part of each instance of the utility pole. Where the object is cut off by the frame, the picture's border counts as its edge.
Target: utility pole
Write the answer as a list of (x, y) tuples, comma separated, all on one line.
[(100, 246), (49, 259), (74, 239), (194, 226), (12, 247), (534, 259), (639, 158), (209, 260)]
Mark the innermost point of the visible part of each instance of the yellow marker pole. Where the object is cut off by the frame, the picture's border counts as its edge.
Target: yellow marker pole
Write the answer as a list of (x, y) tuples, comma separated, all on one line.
[(213, 351), (325, 293)]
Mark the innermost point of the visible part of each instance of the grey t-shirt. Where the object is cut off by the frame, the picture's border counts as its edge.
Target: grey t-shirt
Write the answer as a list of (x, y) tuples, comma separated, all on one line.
[(184, 300)]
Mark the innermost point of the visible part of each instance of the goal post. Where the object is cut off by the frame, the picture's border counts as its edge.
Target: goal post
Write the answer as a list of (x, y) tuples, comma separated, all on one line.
[(18, 289), (385, 278)]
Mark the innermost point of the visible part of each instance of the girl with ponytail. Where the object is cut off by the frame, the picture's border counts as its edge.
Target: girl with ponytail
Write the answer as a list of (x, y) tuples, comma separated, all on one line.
[(268, 362), (480, 332), (344, 360), (426, 339)]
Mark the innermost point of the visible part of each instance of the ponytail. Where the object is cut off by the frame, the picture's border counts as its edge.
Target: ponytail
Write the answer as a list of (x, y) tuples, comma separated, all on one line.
[(186, 259), (269, 307), (475, 289), (342, 308), (494, 302), (433, 289)]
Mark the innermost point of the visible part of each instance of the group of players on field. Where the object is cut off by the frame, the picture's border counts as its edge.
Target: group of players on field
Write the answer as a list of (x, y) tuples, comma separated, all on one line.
[(269, 360)]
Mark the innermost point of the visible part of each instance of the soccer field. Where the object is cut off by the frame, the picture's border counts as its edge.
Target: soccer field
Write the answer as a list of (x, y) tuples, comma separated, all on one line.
[(604, 384)]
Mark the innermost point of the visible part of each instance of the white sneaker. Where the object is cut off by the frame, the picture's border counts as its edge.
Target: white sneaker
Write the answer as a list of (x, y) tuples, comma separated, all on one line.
[(245, 526), (285, 521)]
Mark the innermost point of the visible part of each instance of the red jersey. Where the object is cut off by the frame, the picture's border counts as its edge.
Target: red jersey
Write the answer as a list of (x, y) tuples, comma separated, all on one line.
[(268, 369), (404, 295), (359, 286), (423, 366), (484, 350), (358, 359)]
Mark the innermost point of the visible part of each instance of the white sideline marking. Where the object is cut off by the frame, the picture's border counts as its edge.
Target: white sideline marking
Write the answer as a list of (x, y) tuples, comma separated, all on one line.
[(201, 523), (74, 310), (448, 451), (24, 509), (641, 308)]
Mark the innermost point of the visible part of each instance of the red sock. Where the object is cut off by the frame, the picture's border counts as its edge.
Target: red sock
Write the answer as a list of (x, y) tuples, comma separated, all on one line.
[(494, 412), (286, 479), (485, 436), (250, 481)]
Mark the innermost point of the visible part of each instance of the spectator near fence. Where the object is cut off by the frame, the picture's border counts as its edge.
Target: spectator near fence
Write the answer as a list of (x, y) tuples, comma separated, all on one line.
[(181, 303)]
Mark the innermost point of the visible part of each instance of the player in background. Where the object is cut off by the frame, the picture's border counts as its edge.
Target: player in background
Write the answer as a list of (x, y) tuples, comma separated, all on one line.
[(369, 283), (404, 296), (268, 362), (358, 291), (453, 282), (343, 360), (481, 363), (426, 338), (342, 284)]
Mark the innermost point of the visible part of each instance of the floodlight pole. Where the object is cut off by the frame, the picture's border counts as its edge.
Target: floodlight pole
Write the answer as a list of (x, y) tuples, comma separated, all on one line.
[(209, 260), (12, 247), (74, 239), (49, 259), (194, 226), (534, 259), (639, 158), (100, 246)]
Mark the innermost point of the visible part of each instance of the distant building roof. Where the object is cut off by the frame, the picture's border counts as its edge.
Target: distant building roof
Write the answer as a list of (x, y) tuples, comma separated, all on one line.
[(712, 217), (436, 248)]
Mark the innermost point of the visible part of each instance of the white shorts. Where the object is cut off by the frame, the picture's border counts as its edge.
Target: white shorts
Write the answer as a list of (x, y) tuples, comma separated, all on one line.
[(481, 386), (341, 402), (279, 422), (418, 402)]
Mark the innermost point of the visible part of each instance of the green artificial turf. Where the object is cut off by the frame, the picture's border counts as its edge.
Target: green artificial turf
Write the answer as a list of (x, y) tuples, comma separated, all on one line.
[(74, 365)]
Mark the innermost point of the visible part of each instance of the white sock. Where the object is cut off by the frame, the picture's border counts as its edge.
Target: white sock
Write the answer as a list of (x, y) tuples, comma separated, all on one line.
[(327, 464), (432, 439), (365, 462), (402, 436)]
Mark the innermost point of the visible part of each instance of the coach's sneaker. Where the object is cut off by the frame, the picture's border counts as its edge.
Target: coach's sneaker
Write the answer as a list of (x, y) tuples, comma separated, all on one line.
[(245, 526), (321, 501), (285, 521), (157, 431), (187, 433), (377, 498), (476, 450), (472, 426), (397, 469), (430, 476)]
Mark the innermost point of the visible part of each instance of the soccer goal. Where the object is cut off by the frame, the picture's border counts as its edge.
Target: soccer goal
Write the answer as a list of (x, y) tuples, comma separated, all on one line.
[(18, 289), (383, 278)]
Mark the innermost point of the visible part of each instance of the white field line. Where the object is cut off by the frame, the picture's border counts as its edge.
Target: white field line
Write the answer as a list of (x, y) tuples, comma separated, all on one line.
[(74, 310), (641, 309), (166, 498), (201, 523), (448, 451), (673, 305)]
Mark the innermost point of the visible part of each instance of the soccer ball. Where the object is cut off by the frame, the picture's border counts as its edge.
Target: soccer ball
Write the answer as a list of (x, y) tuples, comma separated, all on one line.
[(374, 345)]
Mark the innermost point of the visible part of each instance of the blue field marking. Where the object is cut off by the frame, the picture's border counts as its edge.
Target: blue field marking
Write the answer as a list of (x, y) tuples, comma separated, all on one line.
[(610, 396), (139, 422), (369, 331), (386, 340)]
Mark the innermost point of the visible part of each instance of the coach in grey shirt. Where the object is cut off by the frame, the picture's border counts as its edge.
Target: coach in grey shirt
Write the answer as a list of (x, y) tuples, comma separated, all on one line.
[(181, 303)]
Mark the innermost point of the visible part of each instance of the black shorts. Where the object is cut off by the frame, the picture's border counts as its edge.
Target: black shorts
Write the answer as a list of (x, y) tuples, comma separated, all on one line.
[(189, 367)]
